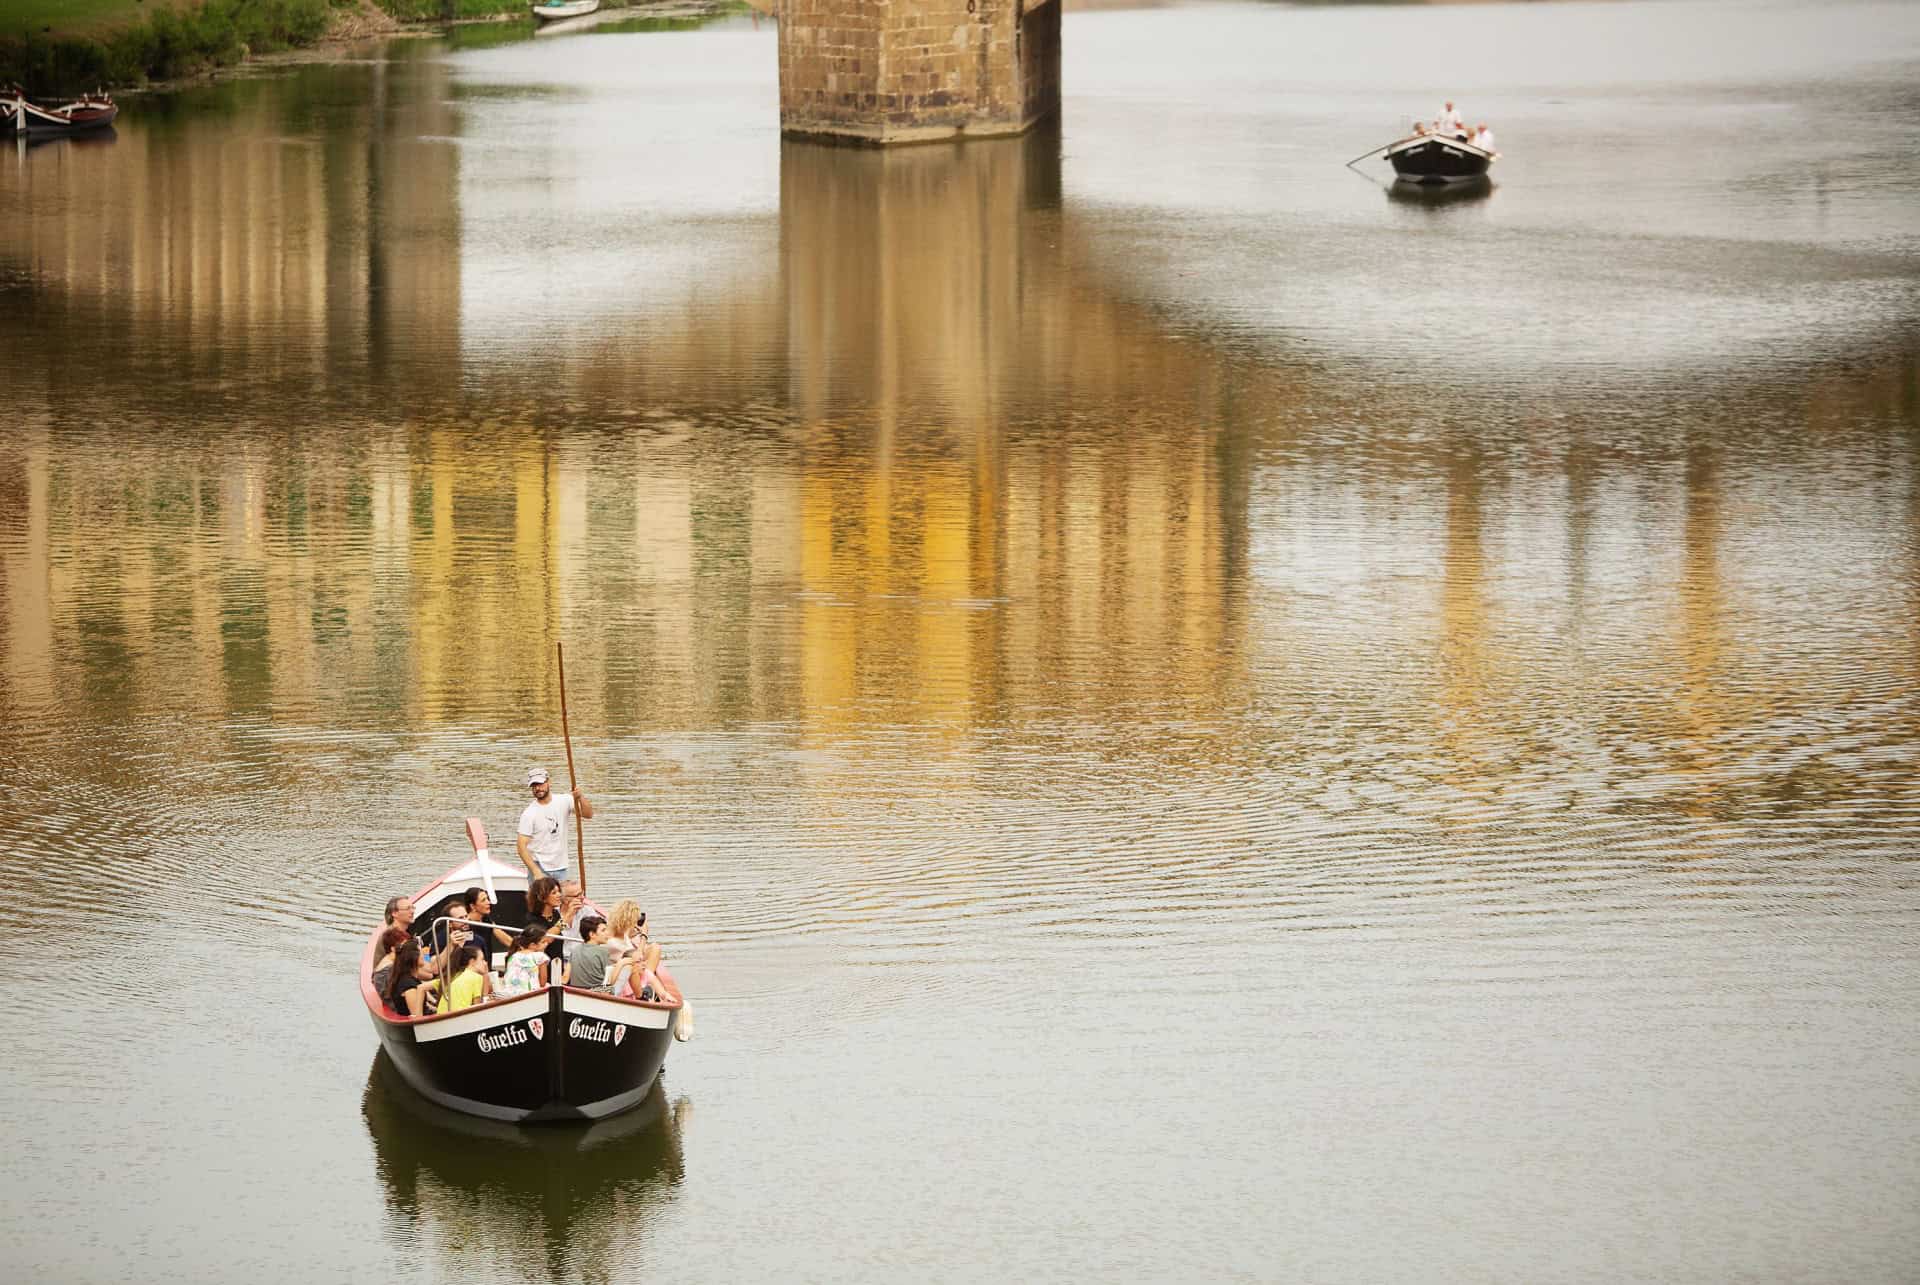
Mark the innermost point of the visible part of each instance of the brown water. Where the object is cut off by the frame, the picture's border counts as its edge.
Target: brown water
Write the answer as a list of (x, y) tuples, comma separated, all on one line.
[(1181, 713)]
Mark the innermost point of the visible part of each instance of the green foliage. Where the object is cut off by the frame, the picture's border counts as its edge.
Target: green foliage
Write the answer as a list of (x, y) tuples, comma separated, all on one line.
[(435, 10), (167, 45)]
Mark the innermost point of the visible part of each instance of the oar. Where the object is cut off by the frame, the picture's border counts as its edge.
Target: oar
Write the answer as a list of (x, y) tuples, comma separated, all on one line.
[(572, 782), (1364, 155)]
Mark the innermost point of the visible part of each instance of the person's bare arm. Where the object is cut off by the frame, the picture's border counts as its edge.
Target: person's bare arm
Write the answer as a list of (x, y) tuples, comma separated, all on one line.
[(526, 856), (583, 805), (417, 1001)]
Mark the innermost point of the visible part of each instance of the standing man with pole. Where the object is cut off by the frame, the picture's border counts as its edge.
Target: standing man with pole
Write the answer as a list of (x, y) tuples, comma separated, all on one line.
[(543, 827)]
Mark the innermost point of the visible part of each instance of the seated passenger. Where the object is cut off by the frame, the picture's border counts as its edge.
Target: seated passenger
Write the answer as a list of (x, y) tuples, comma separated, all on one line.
[(543, 908), (591, 959), (629, 925), (526, 969), (491, 936), (406, 993), (400, 913), (447, 925), (573, 909), (383, 965), (471, 981), (1483, 138)]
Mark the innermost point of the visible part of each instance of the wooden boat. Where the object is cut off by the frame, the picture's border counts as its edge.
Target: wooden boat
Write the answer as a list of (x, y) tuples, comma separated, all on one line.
[(555, 1054), (88, 112), (559, 10), (1436, 158)]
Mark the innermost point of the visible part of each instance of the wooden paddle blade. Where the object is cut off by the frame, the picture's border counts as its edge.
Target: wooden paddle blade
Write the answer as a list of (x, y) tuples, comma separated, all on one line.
[(476, 834)]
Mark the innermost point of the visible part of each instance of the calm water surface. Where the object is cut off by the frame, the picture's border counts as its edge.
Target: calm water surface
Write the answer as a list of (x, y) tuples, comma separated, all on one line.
[(1181, 713)]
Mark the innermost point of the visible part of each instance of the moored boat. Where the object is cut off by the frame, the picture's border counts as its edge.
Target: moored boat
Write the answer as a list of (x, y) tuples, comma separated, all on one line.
[(557, 1053), (1431, 158), (88, 112), (559, 10)]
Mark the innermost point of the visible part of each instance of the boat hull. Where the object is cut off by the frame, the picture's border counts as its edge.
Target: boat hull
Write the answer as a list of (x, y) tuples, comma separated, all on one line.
[(1430, 160), (562, 12), (555, 1055), (43, 122)]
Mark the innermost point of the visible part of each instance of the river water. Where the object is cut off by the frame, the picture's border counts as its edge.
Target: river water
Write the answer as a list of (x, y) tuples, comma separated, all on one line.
[(1181, 713)]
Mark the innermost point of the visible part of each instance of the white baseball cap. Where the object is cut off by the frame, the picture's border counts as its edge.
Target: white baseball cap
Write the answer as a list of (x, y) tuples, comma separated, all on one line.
[(538, 776)]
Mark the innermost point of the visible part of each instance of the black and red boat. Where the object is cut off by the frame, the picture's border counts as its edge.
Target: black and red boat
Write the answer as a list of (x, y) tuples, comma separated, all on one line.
[(37, 120), (555, 1054)]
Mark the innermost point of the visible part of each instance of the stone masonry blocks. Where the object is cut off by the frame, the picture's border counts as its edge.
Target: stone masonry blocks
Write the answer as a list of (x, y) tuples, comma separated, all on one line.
[(890, 71)]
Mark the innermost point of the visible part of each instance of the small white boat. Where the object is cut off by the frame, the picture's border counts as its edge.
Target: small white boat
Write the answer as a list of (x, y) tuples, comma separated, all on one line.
[(559, 10)]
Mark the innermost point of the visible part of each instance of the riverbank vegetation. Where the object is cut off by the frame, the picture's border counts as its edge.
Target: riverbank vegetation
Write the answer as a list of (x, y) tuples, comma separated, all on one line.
[(58, 47), (112, 42)]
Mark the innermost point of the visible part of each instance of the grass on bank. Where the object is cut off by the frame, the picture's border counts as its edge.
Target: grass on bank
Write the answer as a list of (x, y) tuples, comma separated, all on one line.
[(165, 44), (60, 47), (77, 17)]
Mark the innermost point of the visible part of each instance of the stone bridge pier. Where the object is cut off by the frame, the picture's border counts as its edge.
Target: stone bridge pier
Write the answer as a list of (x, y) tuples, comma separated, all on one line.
[(910, 71)]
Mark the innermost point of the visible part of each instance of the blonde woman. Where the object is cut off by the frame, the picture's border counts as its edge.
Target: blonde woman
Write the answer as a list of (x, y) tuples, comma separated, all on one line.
[(639, 958)]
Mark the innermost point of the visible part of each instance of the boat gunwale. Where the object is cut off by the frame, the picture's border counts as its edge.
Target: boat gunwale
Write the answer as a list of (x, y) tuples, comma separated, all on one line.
[(1407, 144)]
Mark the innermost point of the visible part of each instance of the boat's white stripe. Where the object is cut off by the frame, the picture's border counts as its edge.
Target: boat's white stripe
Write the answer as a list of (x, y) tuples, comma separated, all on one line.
[(482, 1019), (606, 1010)]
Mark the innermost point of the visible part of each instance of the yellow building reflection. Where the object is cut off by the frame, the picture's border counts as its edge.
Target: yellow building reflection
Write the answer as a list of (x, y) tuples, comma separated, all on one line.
[(911, 541), (917, 466)]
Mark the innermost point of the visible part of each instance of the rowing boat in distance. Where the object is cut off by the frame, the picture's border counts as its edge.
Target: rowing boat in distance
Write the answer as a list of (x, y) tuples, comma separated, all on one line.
[(561, 10), (554, 1054)]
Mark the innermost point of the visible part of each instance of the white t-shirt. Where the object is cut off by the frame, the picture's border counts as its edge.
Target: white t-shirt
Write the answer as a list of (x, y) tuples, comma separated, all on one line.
[(545, 827), (1484, 140), (1448, 120)]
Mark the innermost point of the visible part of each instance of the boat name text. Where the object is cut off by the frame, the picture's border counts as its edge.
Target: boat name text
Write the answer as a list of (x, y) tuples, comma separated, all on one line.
[(504, 1038)]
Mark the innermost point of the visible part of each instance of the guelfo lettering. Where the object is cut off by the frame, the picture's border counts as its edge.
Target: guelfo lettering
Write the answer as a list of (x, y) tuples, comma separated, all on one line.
[(586, 1029), (503, 1038)]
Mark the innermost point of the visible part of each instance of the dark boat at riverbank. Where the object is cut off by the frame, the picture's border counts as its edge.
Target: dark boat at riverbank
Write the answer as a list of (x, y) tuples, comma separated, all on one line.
[(1436, 159), (23, 116), (555, 1054)]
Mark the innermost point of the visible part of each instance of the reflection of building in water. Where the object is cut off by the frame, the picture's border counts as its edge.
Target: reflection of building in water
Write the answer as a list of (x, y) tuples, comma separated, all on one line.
[(575, 1201), (1699, 714), (1468, 707), (271, 255), (972, 500), (984, 464)]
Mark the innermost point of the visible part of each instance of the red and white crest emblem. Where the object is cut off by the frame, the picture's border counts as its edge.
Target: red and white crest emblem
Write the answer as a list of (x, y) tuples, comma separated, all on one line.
[(537, 1026), (619, 1033)]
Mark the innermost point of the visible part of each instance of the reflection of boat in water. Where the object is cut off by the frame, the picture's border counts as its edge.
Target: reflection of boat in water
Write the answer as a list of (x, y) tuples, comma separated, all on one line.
[(1438, 194), (1437, 159), (503, 1191), (555, 1053), (92, 138), (561, 10)]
